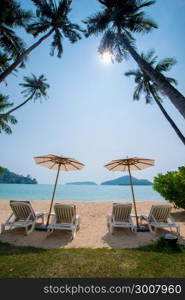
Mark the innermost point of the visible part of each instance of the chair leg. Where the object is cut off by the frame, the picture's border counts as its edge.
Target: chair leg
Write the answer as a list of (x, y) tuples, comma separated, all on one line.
[(50, 230), (78, 221), (28, 231), (2, 228), (151, 230), (111, 228), (108, 221), (73, 234), (178, 230), (134, 229)]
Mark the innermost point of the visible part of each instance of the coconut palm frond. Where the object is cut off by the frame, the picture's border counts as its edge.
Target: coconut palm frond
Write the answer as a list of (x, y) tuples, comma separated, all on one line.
[(11, 16), (140, 24), (57, 44), (166, 64), (35, 87), (4, 104), (97, 23), (71, 32), (122, 18), (131, 73), (53, 16), (137, 92), (4, 119), (142, 4), (41, 26), (10, 42), (143, 82)]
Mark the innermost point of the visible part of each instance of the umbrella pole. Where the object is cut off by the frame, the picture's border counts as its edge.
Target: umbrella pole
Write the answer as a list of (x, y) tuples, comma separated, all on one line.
[(133, 196), (53, 196)]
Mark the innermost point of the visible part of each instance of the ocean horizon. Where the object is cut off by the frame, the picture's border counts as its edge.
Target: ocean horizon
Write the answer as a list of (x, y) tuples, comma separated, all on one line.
[(81, 193)]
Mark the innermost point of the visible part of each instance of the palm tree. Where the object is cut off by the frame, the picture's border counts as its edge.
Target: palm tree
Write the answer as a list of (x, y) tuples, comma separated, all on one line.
[(4, 126), (35, 88), (145, 86), (52, 19), (117, 20), (11, 16), (5, 62)]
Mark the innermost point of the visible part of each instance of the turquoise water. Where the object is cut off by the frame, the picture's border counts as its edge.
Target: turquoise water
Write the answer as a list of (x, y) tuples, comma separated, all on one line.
[(39, 192)]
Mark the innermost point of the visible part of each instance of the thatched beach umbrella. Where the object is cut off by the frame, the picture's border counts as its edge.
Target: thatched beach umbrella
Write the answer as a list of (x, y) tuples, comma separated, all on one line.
[(128, 164), (59, 163)]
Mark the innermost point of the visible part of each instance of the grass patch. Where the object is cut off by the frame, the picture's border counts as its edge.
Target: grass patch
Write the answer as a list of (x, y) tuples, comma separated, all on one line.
[(150, 261)]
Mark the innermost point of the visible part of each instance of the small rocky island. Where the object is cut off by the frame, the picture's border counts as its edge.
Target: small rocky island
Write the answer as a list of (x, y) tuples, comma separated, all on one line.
[(125, 180), (82, 183)]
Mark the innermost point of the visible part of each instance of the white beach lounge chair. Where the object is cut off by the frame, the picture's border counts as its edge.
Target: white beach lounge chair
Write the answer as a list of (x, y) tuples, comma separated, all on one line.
[(65, 218), (22, 215), (120, 217), (159, 217)]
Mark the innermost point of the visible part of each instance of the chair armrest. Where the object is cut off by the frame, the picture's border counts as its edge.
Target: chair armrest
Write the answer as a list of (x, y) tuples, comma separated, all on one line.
[(134, 216), (170, 220), (51, 214), (145, 217)]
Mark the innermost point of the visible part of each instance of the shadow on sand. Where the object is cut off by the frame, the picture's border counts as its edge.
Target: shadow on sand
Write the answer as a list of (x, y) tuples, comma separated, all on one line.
[(38, 239), (124, 238)]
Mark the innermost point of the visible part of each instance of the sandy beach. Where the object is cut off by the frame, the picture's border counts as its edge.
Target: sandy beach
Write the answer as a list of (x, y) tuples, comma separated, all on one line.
[(93, 232)]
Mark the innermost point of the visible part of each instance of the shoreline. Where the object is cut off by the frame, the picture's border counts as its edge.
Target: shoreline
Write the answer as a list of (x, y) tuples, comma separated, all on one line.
[(93, 232), (92, 201)]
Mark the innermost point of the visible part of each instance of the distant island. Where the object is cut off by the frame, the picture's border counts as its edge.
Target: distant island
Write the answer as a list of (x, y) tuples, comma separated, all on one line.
[(9, 177), (82, 183), (125, 180)]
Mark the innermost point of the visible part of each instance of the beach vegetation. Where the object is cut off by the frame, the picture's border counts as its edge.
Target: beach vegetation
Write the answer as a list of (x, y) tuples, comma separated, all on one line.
[(117, 21), (150, 90), (10, 177), (144, 262), (171, 186)]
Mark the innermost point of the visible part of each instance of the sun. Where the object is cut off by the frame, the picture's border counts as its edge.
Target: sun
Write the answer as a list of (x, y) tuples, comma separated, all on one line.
[(106, 58)]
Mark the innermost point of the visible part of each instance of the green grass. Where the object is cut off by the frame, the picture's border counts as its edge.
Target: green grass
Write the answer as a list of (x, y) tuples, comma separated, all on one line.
[(150, 261)]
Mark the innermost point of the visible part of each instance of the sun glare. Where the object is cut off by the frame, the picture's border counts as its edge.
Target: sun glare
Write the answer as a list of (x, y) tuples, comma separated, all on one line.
[(106, 58)]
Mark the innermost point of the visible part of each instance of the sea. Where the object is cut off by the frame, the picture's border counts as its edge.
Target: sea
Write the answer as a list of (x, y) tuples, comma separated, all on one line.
[(81, 193)]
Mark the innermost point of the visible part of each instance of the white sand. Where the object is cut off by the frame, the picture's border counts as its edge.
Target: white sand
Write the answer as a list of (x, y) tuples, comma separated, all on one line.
[(93, 232)]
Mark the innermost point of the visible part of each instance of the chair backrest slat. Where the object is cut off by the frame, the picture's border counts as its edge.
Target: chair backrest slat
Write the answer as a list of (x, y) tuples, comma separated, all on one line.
[(121, 212), (64, 212), (160, 212), (22, 209)]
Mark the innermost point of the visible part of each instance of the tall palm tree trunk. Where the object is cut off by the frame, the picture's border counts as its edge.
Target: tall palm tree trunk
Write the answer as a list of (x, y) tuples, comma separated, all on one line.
[(173, 94), (21, 57), (17, 107), (169, 119)]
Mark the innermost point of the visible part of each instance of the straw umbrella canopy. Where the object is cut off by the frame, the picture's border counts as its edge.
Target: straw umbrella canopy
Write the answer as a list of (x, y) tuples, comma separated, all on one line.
[(59, 163), (128, 164)]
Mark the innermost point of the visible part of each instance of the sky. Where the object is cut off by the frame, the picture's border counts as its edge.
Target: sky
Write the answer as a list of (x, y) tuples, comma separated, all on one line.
[(90, 114)]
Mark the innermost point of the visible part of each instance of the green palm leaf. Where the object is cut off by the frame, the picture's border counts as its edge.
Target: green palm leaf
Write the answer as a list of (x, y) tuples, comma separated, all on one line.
[(4, 120), (51, 15), (35, 87), (11, 16), (118, 19), (144, 85)]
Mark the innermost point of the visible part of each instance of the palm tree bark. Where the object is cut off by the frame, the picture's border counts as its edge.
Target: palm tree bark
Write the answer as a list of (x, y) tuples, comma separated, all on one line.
[(173, 94), (169, 119), (17, 107), (21, 57)]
